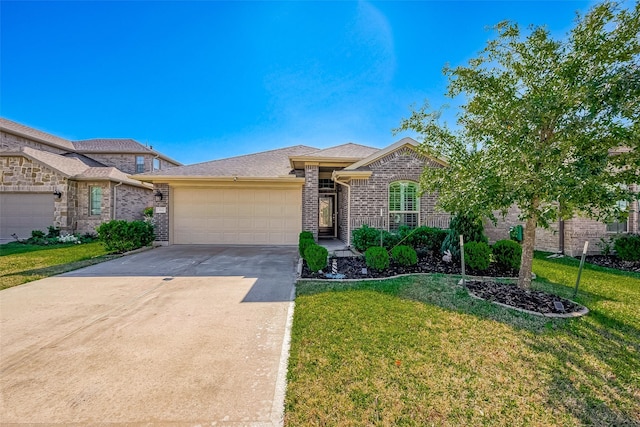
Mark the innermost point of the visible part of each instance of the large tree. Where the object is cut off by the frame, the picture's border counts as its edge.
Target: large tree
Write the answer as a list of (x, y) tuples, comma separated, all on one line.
[(551, 126)]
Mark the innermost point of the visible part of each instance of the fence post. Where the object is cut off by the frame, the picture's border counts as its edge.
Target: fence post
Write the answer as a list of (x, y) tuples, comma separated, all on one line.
[(584, 254)]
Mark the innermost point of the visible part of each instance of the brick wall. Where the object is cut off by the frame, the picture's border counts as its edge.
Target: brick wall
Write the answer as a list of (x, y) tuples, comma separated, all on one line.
[(85, 222), (370, 196), (13, 143), (125, 162), (310, 200), (131, 202), (343, 212), (161, 220)]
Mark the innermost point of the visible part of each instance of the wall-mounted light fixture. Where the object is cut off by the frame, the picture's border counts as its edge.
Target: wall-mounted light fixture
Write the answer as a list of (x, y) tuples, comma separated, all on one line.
[(158, 196), (57, 194)]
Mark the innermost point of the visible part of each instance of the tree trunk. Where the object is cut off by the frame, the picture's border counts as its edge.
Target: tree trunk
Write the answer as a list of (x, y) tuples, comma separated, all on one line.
[(528, 244)]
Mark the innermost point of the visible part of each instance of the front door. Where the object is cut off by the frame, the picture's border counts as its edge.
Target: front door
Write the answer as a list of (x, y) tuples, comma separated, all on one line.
[(327, 216)]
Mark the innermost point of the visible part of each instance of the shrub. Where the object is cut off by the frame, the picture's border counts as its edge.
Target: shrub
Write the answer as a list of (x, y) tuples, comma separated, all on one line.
[(477, 255), (507, 254), (389, 240), (365, 237), (628, 247), (53, 232), (377, 258), (428, 238), (303, 244), (471, 228), (122, 236), (37, 234), (316, 257), (305, 235), (404, 255), (148, 212)]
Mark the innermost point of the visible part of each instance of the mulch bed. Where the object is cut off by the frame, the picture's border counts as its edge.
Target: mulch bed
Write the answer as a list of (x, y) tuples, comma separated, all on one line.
[(508, 294), (612, 261), (352, 267), (514, 296)]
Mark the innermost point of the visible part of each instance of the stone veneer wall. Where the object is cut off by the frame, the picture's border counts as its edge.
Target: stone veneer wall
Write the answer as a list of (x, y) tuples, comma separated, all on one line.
[(22, 175), (161, 219), (369, 196), (13, 143), (310, 200)]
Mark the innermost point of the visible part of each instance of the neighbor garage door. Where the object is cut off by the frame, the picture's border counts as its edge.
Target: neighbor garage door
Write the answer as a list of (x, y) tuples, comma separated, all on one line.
[(21, 212), (237, 216)]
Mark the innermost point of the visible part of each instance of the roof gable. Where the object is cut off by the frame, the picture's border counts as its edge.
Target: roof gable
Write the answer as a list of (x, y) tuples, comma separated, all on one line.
[(31, 133), (379, 154)]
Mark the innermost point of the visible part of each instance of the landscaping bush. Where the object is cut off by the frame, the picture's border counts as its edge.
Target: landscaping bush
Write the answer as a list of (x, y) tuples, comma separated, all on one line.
[(122, 236), (471, 228), (365, 237), (37, 234), (404, 255), (303, 244), (53, 232), (477, 255), (148, 212), (316, 257), (305, 235), (377, 258), (389, 240), (507, 254), (628, 247)]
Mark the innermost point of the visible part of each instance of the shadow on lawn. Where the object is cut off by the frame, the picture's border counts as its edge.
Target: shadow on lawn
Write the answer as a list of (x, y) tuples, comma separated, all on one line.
[(595, 374), (593, 362)]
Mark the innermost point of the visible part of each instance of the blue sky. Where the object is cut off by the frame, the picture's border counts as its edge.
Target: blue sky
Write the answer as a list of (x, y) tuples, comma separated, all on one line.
[(205, 80)]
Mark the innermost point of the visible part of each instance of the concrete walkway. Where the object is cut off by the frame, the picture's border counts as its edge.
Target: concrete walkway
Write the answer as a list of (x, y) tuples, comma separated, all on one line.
[(182, 335)]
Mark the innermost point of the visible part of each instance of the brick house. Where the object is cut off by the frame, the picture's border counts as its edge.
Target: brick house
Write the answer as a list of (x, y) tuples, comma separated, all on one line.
[(269, 197), (74, 185)]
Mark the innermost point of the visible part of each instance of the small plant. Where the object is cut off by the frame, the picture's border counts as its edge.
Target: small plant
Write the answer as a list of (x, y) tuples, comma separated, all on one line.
[(606, 245), (377, 258), (628, 247), (122, 236), (148, 212), (53, 232), (404, 255), (477, 255), (37, 234), (507, 254), (467, 225), (316, 257), (69, 238), (365, 237), (303, 244)]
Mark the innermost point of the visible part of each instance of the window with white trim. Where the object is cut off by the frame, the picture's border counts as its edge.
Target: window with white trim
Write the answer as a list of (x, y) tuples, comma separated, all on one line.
[(156, 164), (619, 226), (95, 200), (404, 206), (139, 164)]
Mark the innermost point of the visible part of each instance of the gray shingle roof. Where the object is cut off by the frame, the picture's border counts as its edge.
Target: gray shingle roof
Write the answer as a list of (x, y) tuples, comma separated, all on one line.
[(349, 151), (17, 128), (266, 164), (75, 168), (110, 145)]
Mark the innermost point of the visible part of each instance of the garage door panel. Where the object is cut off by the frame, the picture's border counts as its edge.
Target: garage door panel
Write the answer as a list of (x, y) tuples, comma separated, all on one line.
[(243, 216), (20, 213)]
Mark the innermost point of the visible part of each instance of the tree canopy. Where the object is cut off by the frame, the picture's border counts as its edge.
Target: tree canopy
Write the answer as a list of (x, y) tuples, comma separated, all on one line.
[(551, 126)]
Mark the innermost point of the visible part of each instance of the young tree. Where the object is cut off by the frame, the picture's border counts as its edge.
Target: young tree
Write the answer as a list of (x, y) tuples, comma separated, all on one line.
[(551, 126)]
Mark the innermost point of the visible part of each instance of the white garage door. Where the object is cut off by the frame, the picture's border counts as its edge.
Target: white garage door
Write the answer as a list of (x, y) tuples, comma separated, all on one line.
[(20, 213), (237, 216)]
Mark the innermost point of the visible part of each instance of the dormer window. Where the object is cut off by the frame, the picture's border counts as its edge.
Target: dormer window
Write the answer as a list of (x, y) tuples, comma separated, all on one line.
[(139, 164)]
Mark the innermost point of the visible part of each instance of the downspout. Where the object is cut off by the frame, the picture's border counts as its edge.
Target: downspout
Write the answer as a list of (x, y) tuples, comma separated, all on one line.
[(115, 199), (348, 209)]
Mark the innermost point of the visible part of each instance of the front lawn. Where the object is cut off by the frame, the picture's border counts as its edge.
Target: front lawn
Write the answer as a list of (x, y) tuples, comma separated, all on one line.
[(21, 263), (419, 351)]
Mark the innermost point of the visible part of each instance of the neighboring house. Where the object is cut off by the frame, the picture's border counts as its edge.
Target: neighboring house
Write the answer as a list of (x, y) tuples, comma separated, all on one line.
[(73, 185), (269, 197), (568, 236)]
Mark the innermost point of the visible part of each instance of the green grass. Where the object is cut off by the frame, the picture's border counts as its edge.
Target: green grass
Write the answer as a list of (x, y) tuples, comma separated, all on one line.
[(20, 263), (419, 351)]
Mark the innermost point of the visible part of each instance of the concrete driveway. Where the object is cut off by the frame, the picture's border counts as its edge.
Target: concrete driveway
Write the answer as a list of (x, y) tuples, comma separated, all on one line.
[(180, 335)]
